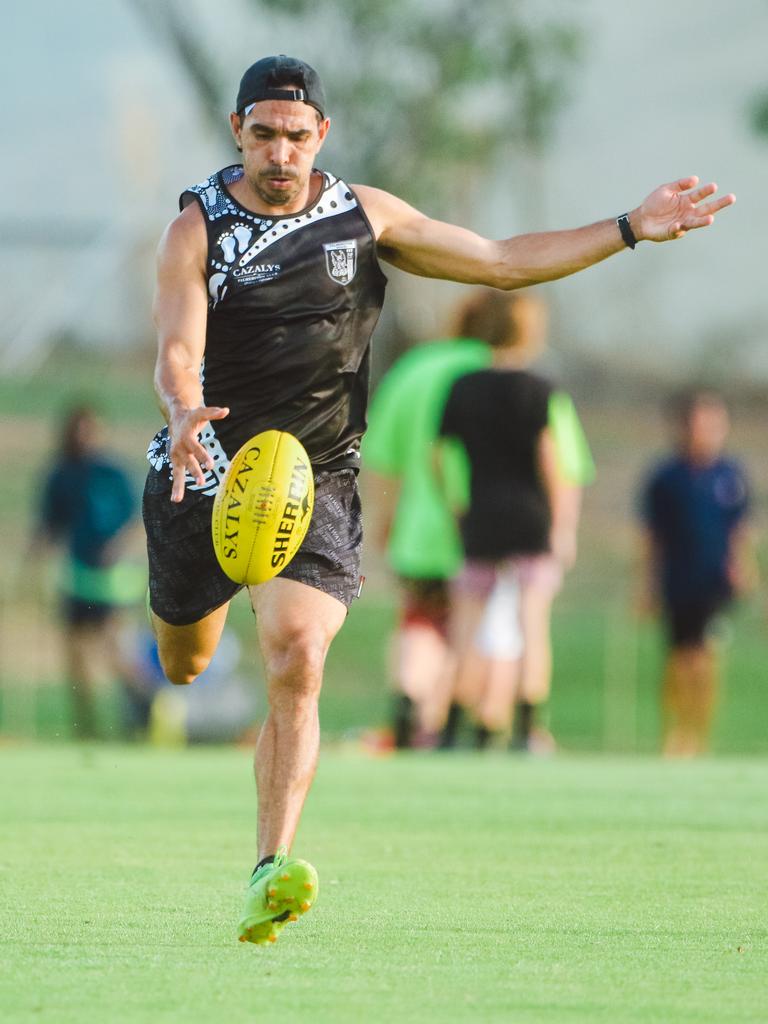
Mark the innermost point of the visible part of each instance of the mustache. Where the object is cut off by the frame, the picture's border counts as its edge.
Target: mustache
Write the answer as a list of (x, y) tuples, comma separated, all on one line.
[(275, 171)]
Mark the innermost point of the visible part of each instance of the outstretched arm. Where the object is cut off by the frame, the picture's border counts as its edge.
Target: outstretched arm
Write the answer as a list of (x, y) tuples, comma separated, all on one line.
[(180, 314), (647, 559), (564, 499), (430, 248), (743, 566)]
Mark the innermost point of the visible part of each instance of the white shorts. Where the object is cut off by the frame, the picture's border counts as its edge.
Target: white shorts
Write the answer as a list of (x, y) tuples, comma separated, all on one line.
[(500, 634)]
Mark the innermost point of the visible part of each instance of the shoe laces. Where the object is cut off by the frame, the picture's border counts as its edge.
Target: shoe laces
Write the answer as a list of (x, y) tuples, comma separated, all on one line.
[(279, 859)]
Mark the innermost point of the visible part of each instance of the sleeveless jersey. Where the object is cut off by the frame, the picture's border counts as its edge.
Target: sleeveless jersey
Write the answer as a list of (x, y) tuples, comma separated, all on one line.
[(293, 301)]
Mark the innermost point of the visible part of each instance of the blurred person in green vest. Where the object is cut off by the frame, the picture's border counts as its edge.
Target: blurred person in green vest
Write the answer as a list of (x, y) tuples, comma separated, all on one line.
[(529, 461), (87, 507), (415, 522)]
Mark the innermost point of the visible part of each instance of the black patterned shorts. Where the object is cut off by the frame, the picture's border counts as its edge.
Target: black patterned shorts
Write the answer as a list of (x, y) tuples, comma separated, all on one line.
[(186, 582)]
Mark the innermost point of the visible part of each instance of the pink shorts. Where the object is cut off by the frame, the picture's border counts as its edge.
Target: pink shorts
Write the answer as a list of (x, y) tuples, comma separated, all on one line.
[(541, 572)]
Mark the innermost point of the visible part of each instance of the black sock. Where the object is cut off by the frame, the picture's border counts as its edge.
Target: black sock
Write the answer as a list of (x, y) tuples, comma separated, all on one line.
[(263, 861), (482, 736), (523, 723), (448, 735), (403, 722)]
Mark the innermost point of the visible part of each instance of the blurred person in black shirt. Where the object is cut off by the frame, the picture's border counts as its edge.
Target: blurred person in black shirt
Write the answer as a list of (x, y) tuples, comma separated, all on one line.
[(528, 461)]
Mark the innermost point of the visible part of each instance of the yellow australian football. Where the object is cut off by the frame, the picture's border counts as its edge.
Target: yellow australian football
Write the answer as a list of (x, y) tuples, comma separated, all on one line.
[(262, 508)]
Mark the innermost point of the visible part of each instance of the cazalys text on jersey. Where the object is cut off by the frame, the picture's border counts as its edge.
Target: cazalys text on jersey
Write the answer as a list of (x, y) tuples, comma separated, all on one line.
[(253, 272)]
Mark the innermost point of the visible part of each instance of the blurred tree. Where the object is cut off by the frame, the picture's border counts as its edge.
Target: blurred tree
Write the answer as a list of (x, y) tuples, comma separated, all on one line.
[(174, 29), (430, 93), (758, 113)]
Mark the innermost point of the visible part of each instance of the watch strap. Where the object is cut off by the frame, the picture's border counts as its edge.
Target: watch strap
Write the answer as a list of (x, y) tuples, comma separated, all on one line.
[(626, 230)]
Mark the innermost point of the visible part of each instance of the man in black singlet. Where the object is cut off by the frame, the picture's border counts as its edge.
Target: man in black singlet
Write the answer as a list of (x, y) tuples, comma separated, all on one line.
[(268, 290)]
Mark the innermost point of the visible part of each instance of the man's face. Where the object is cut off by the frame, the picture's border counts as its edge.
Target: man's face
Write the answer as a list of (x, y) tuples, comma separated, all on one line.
[(706, 431), (87, 432), (279, 140)]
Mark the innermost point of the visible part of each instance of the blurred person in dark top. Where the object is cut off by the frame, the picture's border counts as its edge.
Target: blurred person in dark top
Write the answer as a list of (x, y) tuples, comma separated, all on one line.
[(697, 556), (528, 461), (87, 506)]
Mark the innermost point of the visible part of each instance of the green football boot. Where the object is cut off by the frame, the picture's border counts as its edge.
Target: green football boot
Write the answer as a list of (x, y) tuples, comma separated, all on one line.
[(277, 893)]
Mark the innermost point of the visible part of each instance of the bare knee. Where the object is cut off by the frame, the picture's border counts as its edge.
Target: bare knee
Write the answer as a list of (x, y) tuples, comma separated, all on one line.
[(186, 651), (294, 663), (181, 668)]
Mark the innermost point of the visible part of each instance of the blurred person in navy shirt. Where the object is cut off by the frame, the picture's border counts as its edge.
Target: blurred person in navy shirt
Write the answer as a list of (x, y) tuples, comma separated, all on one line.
[(698, 555), (87, 506)]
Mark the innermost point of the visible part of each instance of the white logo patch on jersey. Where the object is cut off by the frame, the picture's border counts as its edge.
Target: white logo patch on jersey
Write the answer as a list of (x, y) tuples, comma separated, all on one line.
[(341, 260)]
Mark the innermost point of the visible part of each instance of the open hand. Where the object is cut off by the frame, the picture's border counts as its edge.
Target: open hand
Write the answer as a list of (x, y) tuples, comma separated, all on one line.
[(186, 452), (673, 209)]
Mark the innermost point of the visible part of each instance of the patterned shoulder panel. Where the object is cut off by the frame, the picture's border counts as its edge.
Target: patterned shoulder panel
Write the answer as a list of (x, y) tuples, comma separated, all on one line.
[(215, 201)]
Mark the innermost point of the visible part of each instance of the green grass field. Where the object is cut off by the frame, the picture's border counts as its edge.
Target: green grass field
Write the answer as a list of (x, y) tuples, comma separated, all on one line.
[(468, 888), (453, 888)]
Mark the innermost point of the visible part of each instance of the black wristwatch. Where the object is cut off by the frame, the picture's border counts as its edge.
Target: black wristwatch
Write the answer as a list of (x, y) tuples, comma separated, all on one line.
[(626, 230)]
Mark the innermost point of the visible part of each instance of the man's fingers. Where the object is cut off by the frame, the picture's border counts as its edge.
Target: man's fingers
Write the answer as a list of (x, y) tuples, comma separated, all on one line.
[(683, 184), (194, 465), (177, 491), (717, 204), (193, 451), (188, 455), (702, 192), (704, 215), (187, 464), (200, 455), (693, 222), (214, 412)]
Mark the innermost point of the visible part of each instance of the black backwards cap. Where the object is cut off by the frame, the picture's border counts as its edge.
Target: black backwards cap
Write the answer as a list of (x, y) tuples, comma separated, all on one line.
[(268, 78)]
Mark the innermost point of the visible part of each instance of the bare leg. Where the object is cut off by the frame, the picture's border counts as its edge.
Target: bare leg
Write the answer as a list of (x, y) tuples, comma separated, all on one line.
[(185, 651), (704, 697), (690, 685), (673, 741), (536, 598), (423, 671), (498, 700), (466, 615), (536, 663), (81, 672), (468, 681), (500, 640), (296, 626)]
